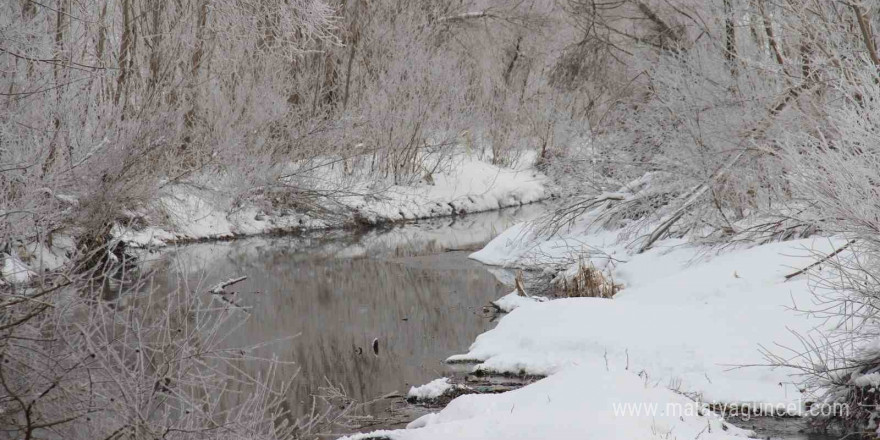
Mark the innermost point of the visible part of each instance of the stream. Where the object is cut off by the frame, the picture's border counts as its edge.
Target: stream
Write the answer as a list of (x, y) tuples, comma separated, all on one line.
[(409, 287)]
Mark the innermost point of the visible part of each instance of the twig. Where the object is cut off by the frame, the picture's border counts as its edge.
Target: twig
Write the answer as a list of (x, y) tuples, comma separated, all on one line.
[(826, 258)]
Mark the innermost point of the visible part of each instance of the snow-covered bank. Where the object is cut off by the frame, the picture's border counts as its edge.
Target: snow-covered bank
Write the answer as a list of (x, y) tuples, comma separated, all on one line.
[(468, 185), (686, 317), (584, 402), (200, 211), (688, 328)]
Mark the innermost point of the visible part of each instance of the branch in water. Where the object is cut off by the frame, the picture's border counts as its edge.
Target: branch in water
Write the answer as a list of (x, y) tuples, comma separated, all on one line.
[(220, 288)]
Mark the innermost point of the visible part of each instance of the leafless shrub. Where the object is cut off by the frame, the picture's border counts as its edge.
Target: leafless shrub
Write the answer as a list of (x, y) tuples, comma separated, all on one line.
[(833, 172), (122, 358), (699, 104), (832, 360)]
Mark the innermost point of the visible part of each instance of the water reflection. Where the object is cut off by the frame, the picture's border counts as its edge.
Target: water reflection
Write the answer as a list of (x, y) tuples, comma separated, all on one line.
[(339, 292)]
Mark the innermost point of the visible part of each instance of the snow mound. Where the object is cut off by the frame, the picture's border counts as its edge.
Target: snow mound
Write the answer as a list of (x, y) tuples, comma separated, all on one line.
[(513, 300), (431, 390)]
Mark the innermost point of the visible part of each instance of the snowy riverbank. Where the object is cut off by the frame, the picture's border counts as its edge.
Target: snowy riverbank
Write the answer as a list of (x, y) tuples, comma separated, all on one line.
[(188, 213), (686, 333), (468, 185)]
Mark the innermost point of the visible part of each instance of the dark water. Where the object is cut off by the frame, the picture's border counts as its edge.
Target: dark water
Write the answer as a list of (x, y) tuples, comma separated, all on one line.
[(783, 428), (410, 287)]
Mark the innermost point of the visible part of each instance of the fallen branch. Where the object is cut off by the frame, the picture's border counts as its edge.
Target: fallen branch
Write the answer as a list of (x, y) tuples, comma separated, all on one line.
[(826, 258), (220, 288), (692, 196), (571, 212), (466, 16)]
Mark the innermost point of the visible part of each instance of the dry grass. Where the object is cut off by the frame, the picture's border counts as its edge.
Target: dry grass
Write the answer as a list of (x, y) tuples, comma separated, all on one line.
[(587, 282)]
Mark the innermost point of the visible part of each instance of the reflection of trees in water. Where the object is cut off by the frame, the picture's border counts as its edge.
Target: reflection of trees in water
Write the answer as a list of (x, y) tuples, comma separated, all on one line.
[(334, 358), (340, 305)]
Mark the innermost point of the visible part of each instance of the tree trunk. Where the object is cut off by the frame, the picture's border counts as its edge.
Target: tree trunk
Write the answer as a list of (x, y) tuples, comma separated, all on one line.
[(196, 61), (729, 37), (157, 7), (354, 37), (867, 36), (771, 38), (61, 24), (124, 49)]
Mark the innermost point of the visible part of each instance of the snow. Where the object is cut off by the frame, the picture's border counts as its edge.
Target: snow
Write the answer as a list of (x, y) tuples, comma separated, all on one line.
[(45, 258), (472, 186), (584, 402), (686, 317), (431, 390), (523, 246), (866, 380), (14, 270), (467, 184), (513, 300), (191, 215)]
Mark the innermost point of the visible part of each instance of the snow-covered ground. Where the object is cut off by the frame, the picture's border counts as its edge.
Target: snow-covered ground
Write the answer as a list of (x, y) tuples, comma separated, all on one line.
[(687, 330), (583, 402), (687, 316), (467, 185)]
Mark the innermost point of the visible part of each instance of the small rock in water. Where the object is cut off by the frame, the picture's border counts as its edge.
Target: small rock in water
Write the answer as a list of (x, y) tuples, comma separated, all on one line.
[(376, 346)]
